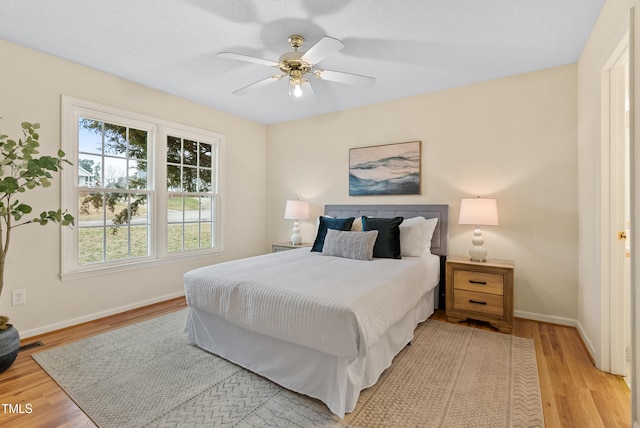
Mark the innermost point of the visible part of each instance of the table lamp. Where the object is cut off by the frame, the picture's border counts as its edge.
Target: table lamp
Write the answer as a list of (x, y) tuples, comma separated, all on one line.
[(296, 210), (479, 212)]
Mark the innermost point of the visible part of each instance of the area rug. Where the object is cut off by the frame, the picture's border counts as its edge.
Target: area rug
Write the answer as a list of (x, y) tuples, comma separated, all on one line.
[(147, 374)]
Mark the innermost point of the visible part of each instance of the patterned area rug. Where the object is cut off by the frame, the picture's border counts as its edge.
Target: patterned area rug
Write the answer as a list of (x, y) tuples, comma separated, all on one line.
[(148, 375)]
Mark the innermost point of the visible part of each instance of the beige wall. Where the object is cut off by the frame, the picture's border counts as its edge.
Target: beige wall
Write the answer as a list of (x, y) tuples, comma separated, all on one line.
[(514, 139), (31, 85), (607, 34)]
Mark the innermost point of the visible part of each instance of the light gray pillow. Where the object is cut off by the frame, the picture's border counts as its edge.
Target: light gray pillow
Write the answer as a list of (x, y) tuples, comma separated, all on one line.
[(350, 245)]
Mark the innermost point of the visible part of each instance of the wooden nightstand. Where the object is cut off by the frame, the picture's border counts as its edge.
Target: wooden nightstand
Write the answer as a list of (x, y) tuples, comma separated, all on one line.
[(284, 246), (480, 291)]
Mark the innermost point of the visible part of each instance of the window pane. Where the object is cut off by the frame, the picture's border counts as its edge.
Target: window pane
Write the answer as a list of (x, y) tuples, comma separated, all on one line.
[(191, 236), (115, 140), (117, 243), (205, 155), (117, 208), (206, 207), (139, 241), (89, 136), (138, 209), (89, 170), (90, 209), (190, 153), (174, 149), (137, 144), (90, 244), (115, 173), (175, 213), (205, 180), (137, 174), (173, 178), (174, 238), (205, 235), (189, 179)]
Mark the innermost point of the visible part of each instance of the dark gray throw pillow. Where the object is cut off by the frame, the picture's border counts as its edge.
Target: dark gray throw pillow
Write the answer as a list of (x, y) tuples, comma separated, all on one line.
[(388, 242)]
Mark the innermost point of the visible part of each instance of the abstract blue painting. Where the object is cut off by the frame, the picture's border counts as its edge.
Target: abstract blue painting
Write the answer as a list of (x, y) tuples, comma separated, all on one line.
[(390, 169)]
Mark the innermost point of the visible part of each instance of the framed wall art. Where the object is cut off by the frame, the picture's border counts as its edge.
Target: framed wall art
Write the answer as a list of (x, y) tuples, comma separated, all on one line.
[(390, 169)]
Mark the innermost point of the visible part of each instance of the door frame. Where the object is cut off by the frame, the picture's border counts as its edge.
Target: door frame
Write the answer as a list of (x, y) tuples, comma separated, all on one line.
[(613, 325)]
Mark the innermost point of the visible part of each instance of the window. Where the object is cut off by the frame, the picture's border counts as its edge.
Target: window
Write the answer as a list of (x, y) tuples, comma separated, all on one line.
[(113, 201), (190, 201), (142, 190)]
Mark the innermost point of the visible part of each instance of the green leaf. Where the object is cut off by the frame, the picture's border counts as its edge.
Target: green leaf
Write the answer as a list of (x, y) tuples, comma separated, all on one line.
[(9, 185), (25, 209)]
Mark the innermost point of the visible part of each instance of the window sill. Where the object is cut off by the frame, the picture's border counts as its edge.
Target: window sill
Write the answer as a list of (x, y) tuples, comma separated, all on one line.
[(138, 264)]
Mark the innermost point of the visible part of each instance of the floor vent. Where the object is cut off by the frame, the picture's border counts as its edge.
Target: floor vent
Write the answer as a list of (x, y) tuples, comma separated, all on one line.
[(30, 346)]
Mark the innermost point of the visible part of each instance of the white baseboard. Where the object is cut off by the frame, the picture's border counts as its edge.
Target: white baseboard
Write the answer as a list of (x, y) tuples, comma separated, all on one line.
[(546, 318), (561, 321), (587, 342), (75, 321)]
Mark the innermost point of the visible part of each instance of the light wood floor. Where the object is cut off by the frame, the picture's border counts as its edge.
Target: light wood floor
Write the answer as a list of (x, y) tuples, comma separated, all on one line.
[(574, 392)]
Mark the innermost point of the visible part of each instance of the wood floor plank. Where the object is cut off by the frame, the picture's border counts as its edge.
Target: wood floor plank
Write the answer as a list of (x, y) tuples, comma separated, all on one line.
[(574, 393)]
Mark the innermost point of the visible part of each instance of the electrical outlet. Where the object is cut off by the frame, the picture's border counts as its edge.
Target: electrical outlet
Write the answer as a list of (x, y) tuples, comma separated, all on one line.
[(18, 297)]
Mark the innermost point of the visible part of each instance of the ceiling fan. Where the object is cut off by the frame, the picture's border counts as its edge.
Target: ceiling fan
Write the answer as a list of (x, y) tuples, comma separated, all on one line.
[(297, 66)]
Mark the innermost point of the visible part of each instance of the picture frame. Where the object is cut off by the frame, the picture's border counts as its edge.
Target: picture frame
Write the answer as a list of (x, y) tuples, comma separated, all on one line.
[(388, 169)]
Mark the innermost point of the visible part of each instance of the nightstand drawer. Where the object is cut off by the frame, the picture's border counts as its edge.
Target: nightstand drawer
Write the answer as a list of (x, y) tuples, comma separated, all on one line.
[(478, 302), (478, 281)]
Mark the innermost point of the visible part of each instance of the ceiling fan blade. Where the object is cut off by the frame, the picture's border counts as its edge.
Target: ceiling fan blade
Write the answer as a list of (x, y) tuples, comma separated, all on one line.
[(247, 58), (307, 94), (325, 47), (258, 84), (347, 78)]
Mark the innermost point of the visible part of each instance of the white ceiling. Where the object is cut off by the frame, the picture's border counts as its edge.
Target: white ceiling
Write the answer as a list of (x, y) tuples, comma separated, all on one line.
[(409, 46)]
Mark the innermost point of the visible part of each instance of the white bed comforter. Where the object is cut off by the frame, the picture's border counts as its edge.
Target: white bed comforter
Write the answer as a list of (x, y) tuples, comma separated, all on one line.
[(335, 305)]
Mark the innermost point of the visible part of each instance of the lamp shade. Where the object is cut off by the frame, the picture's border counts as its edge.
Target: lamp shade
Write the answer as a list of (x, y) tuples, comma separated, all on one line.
[(479, 211), (296, 210)]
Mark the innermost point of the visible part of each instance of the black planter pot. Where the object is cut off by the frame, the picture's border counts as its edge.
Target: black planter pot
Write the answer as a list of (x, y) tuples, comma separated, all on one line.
[(9, 346)]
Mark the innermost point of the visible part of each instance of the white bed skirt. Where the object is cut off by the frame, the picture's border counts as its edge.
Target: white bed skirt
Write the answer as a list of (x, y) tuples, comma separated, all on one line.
[(335, 381)]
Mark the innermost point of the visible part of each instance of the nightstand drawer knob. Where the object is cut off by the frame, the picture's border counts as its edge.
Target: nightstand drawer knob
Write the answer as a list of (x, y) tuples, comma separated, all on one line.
[(478, 282), (477, 302)]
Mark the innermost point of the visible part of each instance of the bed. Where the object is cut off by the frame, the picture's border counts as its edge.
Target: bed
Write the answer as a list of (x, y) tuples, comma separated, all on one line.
[(320, 325)]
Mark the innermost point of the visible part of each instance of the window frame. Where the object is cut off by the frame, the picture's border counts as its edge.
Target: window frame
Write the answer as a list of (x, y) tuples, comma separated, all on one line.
[(158, 131)]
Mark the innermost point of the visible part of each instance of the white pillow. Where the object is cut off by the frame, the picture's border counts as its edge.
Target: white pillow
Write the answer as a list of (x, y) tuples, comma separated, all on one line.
[(351, 245), (430, 227), (415, 236), (356, 226), (412, 237)]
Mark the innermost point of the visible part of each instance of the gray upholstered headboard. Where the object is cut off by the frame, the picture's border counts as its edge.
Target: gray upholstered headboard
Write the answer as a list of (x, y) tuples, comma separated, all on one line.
[(440, 239)]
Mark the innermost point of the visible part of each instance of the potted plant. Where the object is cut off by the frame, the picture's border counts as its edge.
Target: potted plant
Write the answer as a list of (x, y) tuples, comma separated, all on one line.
[(21, 170)]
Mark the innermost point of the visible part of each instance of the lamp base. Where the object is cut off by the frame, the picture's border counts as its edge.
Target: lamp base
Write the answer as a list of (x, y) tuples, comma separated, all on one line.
[(478, 253), (296, 238)]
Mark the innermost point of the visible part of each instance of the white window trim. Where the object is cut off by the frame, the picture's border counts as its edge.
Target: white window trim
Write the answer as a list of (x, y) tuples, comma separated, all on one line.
[(158, 129)]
